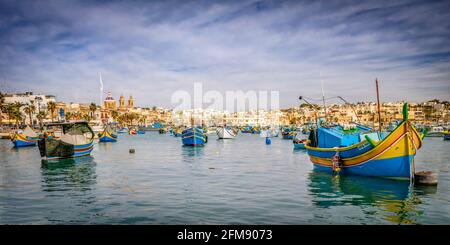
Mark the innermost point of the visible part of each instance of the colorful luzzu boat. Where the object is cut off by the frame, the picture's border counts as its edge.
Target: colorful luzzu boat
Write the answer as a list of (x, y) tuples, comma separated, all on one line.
[(392, 156), (247, 130), (24, 138), (76, 140), (447, 135), (193, 137), (107, 135), (299, 144), (288, 133)]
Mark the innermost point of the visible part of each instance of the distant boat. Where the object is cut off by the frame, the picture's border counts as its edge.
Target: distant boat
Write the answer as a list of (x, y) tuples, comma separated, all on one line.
[(122, 131), (436, 131), (193, 137), (447, 135), (246, 129), (107, 135), (300, 144), (288, 133), (162, 130), (27, 137), (177, 132), (140, 131), (226, 133), (132, 131), (76, 140)]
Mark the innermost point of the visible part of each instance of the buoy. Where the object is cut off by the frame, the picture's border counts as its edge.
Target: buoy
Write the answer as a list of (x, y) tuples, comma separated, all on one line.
[(426, 178), (132, 150), (268, 141)]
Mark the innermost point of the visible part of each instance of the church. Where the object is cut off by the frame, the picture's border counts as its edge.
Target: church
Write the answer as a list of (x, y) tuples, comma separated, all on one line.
[(109, 105)]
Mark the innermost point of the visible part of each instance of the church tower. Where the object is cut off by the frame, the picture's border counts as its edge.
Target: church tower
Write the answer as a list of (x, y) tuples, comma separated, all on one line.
[(131, 102), (109, 102), (121, 102)]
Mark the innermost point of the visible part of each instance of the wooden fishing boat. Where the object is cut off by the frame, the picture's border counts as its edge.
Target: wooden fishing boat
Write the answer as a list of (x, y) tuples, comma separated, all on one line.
[(246, 130), (390, 156), (132, 131), (193, 137), (288, 133), (300, 144), (26, 137), (447, 135), (226, 133), (107, 135), (436, 131), (76, 140), (140, 132), (177, 132)]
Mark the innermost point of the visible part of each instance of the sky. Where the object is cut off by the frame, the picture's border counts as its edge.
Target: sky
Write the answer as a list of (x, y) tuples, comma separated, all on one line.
[(151, 49)]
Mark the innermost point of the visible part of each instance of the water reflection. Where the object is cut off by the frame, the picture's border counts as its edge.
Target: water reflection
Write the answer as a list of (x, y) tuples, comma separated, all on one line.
[(189, 151), (68, 174), (396, 201)]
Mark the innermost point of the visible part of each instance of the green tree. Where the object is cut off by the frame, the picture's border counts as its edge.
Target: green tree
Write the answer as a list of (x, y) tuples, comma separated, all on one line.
[(51, 106), (92, 109), (30, 110), (41, 116), (2, 104)]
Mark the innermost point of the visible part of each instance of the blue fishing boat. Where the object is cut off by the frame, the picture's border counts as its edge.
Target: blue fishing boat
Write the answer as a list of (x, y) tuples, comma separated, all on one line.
[(288, 133), (26, 137), (76, 140), (300, 144), (246, 129), (193, 137), (369, 154), (447, 135), (140, 131), (107, 135)]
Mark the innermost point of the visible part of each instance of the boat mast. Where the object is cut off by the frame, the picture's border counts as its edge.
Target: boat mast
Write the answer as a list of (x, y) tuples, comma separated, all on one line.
[(323, 96), (378, 102)]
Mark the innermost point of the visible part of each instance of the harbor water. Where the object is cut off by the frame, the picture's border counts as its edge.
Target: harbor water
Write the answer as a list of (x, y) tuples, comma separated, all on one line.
[(237, 181)]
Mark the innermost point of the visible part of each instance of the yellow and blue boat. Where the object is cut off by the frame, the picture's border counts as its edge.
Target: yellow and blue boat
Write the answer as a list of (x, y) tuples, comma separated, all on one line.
[(288, 133), (390, 156), (300, 144), (447, 135), (107, 135), (27, 137), (76, 140), (193, 137)]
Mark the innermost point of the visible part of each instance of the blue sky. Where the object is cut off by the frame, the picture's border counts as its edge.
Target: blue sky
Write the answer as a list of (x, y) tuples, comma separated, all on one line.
[(152, 48)]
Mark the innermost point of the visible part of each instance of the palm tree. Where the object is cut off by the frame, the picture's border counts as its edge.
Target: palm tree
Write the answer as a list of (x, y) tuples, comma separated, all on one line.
[(92, 109), (2, 101), (51, 106), (40, 116), (30, 109), (69, 116)]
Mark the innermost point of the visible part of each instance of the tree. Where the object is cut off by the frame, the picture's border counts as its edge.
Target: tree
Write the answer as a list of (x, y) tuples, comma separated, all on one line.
[(2, 101), (92, 109), (51, 106), (115, 115), (68, 116), (40, 116), (29, 110)]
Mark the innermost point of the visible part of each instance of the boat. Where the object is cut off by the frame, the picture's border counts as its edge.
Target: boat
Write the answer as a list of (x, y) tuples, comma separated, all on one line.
[(154, 127), (26, 137), (76, 140), (140, 131), (122, 131), (132, 131), (300, 143), (107, 135), (256, 130), (246, 129), (447, 135), (367, 153), (193, 136), (162, 130), (288, 133), (226, 133), (435, 131), (177, 132)]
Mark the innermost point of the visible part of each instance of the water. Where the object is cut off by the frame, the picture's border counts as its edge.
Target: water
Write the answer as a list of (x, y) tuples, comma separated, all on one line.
[(240, 181)]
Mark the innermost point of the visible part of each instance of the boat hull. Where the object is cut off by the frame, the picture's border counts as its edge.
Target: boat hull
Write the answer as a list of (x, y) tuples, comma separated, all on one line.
[(78, 151), (193, 137), (225, 133), (299, 146), (447, 136), (20, 140)]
